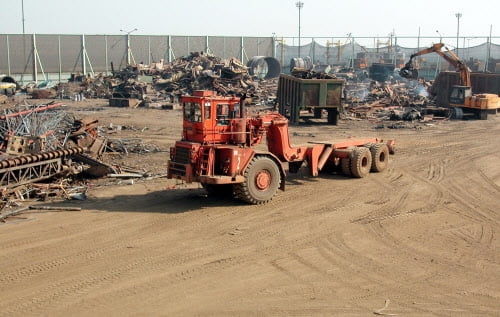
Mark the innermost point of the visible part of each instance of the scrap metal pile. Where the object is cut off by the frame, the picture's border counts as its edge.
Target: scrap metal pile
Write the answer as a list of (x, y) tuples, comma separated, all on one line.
[(43, 142), (391, 100), (162, 83)]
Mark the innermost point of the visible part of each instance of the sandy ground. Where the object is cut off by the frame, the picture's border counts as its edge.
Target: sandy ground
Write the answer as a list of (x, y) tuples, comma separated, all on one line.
[(420, 239)]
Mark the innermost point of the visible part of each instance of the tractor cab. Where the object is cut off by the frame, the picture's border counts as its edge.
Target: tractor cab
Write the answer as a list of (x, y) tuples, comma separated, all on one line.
[(211, 119)]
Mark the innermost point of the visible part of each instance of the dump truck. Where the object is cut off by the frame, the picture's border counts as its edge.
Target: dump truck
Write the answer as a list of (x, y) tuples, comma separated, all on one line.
[(314, 95), (219, 150)]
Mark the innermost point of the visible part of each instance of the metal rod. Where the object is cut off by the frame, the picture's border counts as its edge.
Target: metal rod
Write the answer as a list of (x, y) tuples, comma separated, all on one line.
[(56, 208), (14, 212)]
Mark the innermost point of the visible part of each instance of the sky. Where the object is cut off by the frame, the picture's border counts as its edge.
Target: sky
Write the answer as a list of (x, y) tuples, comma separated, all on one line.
[(261, 18)]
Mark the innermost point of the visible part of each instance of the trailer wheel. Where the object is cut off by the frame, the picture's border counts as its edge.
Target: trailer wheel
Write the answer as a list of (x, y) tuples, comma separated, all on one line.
[(380, 157), (345, 166), (361, 162), (262, 179), (318, 112), (333, 116)]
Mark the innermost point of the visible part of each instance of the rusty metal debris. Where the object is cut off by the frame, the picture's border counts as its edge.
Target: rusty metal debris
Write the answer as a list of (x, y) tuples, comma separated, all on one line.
[(11, 213), (394, 100), (43, 148), (161, 84), (41, 142)]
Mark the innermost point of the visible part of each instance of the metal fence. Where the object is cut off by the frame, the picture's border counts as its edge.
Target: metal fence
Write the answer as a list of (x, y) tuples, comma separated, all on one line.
[(35, 57), (338, 50)]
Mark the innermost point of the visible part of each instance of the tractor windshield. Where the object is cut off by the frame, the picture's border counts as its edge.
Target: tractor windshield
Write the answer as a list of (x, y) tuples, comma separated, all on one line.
[(192, 111)]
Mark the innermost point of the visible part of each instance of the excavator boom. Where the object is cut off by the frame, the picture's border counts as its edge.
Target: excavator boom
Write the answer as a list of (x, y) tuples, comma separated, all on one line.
[(409, 70)]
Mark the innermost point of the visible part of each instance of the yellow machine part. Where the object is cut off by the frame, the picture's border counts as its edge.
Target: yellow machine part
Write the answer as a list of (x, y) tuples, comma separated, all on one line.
[(484, 101)]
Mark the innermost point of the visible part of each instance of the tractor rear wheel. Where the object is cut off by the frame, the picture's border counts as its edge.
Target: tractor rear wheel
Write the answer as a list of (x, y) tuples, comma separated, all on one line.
[(380, 157), (262, 179), (361, 162)]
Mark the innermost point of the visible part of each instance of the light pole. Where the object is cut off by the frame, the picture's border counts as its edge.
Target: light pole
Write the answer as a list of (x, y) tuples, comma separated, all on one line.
[(440, 36), (22, 10), (299, 5), (458, 15)]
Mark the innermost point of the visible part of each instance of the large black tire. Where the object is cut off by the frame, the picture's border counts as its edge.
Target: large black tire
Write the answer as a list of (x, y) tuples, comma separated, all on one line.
[(361, 162), (330, 167), (262, 180), (345, 166), (456, 113), (380, 157), (333, 116), (483, 114), (223, 190)]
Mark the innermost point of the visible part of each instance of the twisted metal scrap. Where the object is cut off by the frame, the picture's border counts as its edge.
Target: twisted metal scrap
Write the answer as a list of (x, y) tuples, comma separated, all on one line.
[(44, 120)]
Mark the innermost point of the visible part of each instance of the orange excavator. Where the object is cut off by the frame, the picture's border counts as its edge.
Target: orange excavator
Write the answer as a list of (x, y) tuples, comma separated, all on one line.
[(218, 149), (461, 99)]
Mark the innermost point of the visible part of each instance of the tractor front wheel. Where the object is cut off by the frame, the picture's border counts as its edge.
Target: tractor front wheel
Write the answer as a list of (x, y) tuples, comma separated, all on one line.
[(262, 179)]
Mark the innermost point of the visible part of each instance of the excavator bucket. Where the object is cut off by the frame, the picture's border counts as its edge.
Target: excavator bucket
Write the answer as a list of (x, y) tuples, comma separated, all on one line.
[(408, 71)]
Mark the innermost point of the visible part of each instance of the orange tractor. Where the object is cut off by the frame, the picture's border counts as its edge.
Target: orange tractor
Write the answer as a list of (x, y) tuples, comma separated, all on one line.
[(218, 150)]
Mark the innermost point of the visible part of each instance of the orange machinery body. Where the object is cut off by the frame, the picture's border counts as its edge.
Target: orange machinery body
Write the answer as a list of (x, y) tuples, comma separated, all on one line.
[(482, 101), (218, 142)]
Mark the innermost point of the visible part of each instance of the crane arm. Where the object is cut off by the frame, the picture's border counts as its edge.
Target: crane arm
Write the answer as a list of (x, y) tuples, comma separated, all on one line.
[(409, 70)]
